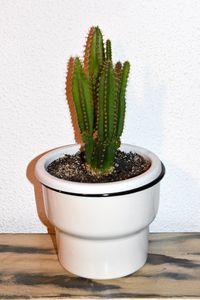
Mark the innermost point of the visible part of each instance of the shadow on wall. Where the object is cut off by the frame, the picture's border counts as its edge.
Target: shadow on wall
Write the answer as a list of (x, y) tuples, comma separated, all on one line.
[(30, 174), (180, 210), (149, 114), (154, 99), (183, 190)]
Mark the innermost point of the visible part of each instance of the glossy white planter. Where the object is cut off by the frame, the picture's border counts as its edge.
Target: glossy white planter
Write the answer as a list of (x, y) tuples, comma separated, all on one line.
[(101, 229)]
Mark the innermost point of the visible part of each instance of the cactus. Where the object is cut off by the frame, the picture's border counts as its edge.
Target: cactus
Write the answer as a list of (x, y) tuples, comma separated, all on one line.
[(98, 91)]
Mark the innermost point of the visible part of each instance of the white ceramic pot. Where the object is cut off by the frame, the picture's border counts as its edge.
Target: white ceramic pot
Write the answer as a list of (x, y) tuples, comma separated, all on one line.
[(101, 228)]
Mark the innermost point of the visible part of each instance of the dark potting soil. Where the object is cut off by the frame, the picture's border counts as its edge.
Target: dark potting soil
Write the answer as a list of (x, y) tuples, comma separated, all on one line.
[(71, 167)]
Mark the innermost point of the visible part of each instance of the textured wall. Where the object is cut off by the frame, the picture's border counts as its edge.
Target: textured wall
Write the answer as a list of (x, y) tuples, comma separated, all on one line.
[(161, 40)]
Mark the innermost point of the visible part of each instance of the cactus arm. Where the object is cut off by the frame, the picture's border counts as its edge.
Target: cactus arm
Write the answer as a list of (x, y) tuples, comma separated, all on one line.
[(87, 51), (77, 103), (111, 99), (104, 152), (101, 107), (118, 69), (108, 50), (106, 103), (82, 96), (96, 55), (122, 91)]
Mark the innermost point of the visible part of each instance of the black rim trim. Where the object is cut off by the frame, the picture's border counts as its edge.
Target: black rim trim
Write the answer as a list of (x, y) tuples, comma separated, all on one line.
[(139, 189)]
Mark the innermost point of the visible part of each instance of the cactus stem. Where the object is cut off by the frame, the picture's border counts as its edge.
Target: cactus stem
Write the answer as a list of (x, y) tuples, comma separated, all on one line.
[(98, 92)]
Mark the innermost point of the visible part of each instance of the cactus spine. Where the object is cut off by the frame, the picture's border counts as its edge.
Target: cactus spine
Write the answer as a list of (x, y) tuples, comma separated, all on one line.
[(98, 90)]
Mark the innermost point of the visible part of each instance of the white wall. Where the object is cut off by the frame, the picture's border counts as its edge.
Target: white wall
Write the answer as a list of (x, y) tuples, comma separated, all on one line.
[(162, 41)]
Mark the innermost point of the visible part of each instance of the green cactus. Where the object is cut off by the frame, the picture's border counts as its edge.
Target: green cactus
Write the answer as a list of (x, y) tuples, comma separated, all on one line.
[(98, 90)]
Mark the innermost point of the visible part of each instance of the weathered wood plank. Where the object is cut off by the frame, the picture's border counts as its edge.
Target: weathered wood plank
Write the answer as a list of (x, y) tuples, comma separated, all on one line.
[(29, 269)]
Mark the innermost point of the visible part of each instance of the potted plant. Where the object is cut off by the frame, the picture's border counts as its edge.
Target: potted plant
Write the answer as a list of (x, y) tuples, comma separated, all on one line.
[(101, 196)]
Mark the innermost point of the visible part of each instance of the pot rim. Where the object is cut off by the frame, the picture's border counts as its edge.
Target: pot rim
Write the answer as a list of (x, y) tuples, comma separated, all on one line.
[(135, 184)]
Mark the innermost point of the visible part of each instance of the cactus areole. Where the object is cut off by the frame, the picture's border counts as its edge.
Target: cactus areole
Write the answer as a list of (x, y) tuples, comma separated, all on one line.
[(98, 88)]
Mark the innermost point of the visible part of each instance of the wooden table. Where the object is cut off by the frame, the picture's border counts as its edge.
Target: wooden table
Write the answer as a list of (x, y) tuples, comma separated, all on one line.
[(29, 269)]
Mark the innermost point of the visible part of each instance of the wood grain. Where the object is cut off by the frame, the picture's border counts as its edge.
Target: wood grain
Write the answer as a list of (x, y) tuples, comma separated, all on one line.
[(29, 269)]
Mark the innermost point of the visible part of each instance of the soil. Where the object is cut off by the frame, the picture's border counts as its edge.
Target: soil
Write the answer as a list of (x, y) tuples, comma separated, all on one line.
[(72, 168)]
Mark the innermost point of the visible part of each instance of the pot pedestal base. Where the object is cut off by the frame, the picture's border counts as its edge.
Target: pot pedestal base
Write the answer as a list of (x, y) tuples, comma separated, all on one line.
[(102, 258)]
